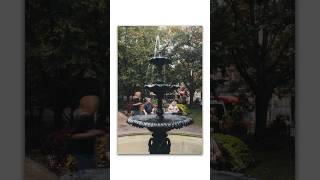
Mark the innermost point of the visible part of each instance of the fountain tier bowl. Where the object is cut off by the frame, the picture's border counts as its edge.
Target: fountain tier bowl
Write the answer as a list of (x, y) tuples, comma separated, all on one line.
[(159, 61), (153, 122), (160, 88)]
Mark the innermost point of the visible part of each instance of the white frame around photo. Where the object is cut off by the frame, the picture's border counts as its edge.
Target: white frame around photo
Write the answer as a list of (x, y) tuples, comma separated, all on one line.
[(154, 13)]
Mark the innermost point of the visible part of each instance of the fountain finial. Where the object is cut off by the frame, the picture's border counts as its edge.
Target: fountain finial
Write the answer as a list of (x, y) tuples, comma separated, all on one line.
[(157, 47)]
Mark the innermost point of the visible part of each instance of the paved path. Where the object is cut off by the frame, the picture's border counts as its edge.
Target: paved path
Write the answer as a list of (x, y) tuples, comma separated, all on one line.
[(35, 171), (89, 174), (221, 175)]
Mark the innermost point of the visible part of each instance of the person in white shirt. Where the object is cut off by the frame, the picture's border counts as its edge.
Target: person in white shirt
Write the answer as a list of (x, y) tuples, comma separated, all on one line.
[(173, 108)]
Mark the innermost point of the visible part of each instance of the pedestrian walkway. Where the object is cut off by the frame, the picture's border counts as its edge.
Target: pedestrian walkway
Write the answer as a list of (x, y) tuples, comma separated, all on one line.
[(35, 171), (223, 175)]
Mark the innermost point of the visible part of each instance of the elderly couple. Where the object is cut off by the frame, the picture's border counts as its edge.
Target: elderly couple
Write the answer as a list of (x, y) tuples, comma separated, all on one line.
[(138, 108)]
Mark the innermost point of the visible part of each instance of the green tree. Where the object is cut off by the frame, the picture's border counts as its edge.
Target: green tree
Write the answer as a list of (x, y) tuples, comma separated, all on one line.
[(183, 45), (135, 47), (67, 52), (258, 37), (187, 56)]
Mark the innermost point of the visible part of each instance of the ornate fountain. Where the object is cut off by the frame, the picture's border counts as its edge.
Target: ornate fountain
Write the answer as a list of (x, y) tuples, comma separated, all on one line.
[(160, 122)]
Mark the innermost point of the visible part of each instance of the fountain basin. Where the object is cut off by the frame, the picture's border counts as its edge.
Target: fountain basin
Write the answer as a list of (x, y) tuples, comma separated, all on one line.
[(153, 122), (160, 61), (160, 88), (180, 144)]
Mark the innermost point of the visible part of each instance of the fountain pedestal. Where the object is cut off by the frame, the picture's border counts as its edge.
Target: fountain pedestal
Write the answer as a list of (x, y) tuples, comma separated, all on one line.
[(159, 143)]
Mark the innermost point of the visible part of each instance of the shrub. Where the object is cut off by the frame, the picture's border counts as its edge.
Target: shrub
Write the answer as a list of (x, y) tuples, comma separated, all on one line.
[(101, 157), (236, 156), (59, 160), (154, 101), (184, 109)]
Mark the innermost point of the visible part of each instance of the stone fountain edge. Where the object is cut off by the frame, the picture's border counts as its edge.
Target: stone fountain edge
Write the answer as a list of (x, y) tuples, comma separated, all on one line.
[(170, 133)]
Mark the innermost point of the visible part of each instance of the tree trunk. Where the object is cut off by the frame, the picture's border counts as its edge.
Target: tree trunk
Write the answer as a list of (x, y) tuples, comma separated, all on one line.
[(57, 118), (191, 97), (262, 103), (104, 102)]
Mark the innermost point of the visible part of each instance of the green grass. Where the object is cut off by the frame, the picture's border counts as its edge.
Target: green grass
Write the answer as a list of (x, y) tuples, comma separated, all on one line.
[(273, 164), (196, 115), (274, 160)]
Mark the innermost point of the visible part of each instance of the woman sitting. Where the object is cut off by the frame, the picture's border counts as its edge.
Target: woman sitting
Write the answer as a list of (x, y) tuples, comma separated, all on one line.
[(173, 108)]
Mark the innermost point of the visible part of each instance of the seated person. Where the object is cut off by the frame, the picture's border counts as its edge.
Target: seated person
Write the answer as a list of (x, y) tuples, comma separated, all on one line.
[(82, 140), (136, 106), (138, 94), (215, 152), (173, 108), (183, 93), (148, 106)]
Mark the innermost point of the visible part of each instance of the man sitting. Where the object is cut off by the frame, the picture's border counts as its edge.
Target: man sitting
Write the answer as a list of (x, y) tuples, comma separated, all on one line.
[(148, 106)]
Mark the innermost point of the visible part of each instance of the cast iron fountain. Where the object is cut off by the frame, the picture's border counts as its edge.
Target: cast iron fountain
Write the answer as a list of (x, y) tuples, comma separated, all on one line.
[(160, 123)]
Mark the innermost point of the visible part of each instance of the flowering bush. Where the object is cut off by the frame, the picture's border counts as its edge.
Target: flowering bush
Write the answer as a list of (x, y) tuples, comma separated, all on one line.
[(60, 161), (184, 109)]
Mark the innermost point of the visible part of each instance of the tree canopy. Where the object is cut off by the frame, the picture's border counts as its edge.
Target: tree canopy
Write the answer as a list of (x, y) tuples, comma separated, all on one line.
[(182, 45), (67, 50), (258, 36)]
